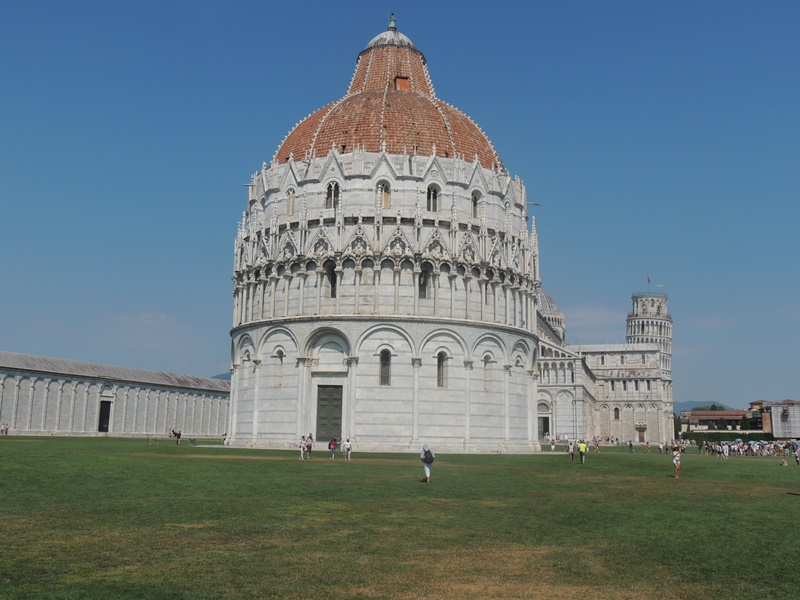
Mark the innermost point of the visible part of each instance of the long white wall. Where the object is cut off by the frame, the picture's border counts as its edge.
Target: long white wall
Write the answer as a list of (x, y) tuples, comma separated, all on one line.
[(42, 403)]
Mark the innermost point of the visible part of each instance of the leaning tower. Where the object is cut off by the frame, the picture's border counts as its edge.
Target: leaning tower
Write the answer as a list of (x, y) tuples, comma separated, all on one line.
[(649, 322), (386, 276)]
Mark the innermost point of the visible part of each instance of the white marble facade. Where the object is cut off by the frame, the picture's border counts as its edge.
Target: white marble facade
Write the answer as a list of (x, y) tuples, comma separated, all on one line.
[(387, 289), (50, 396)]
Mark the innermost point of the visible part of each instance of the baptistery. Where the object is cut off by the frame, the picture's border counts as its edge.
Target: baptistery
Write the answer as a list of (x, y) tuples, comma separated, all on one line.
[(386, 277)]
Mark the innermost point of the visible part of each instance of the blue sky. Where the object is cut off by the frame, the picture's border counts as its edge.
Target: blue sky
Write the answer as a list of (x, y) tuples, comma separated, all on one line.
[(663, 139)]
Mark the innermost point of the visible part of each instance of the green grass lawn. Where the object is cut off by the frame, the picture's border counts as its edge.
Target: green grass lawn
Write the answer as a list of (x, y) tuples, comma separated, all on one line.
[(116, 518)]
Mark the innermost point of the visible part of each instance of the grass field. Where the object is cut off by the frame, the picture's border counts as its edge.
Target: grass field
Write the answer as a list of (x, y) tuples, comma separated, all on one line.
[(116, 518)]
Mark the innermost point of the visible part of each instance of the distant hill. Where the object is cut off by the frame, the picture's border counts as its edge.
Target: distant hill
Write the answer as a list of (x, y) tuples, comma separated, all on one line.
[(225, 376), (679, 406)]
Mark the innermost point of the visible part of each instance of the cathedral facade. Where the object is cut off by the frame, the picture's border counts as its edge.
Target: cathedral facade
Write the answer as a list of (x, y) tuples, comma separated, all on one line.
[(386, 286)]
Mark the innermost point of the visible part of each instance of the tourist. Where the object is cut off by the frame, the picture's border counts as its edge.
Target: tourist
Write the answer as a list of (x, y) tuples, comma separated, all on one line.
[(178, 435), (347, 448), (582, 451), (630, 446), (661, 447), (332, 448), (427, 456), (647, 445), (552, 444), (302, 447), (571, 451), (309, 445), (676, 460)]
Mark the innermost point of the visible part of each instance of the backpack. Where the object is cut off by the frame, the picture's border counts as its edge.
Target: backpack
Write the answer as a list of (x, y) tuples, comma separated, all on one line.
[(428, 456)]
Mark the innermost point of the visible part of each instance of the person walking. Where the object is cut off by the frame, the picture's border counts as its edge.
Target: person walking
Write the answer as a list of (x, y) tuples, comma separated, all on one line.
[(427, 457), (309, 445), (332, 448), (676, 460), (571, 451), (347, 448), (582, 452), (302, 447)]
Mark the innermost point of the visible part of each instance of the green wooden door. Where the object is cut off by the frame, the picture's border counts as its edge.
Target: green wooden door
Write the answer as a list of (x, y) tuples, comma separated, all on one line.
[(329, 413)]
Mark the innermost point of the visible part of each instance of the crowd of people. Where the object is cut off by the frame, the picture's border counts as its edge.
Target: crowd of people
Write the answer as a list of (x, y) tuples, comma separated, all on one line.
[(740, 448), (306, 445)]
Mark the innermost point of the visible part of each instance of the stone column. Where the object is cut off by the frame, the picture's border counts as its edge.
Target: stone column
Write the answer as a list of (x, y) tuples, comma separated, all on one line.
[(554, 405), (376, 284), (232, 404), (436, 274), (415, 276), (452, 277), (30, 402), (416, 363), (274, 280), (45, 402), (338, 272), (357, 300), (533, 408), (15, 405), (287, 287), (302, 379), (352, 387), (507, 403), (396, 281), (303, 276), (72, 407), (482, 282), (2, 398), (467, 402), (467, 278), (320, 272), (256, 396)]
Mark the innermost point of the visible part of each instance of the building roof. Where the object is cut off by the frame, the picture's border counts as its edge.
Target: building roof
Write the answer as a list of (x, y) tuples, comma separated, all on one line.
[(391, 105), (547, 306), (60, 366), (699, 416)]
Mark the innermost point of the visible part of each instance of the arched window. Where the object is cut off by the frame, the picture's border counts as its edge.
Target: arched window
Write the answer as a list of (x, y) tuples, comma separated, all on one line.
[(616, 414), (385, 195), (433, 199), (636, 386), (279, 355), (612, 386), (330, 274), (424, 281), (441, 365), (386, 368), (475, 200), (622, 359), (487, 379), (290, 203), (332, 197)]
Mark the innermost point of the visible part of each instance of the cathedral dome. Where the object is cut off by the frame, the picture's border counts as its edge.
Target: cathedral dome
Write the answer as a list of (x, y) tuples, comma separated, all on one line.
[(547, 306), (390, 105)]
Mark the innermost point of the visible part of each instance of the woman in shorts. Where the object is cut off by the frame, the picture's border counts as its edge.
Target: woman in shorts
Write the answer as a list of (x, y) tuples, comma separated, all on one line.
[(676, 460)]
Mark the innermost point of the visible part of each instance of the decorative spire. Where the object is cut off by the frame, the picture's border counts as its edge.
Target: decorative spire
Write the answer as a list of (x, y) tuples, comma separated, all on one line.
[(392, 23)]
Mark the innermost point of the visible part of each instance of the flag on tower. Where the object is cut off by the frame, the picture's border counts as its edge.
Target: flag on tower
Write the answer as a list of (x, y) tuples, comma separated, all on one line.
[(648, 280)]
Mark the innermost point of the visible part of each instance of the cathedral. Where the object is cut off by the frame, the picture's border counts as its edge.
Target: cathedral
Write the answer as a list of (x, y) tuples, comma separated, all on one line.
[(387, 290)]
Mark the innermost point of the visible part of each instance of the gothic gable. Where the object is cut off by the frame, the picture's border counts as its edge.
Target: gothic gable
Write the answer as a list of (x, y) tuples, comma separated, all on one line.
[(398, 245), (358, 245), (436, 248)]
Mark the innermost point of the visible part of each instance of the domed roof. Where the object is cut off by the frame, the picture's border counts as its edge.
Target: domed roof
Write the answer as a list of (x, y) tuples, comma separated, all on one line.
[(390, 105), (547, 306)]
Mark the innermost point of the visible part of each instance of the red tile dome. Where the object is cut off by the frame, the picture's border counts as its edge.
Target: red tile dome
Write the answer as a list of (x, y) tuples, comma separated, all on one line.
[(390, 103)]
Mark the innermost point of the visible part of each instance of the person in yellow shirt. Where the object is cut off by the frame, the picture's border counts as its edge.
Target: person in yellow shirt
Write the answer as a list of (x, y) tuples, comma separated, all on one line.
[(582, 451)]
